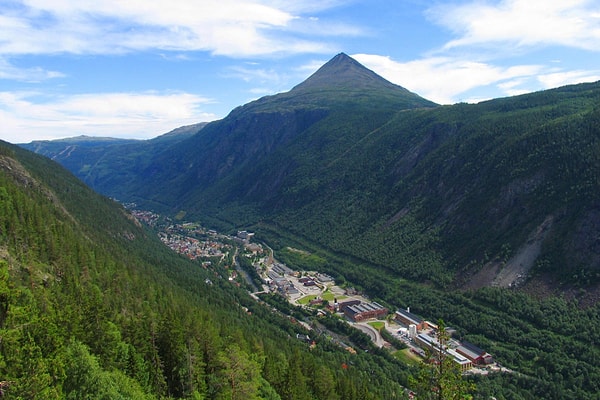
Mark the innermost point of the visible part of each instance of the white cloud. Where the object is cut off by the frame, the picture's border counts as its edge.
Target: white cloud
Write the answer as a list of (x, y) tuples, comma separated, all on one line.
[(561, 78), (514, 87), (227, 27), (253, 74), (572, 23), (36, 74), (25, 115), (487, 34), (447, 80), (308, 6), (443, 79)]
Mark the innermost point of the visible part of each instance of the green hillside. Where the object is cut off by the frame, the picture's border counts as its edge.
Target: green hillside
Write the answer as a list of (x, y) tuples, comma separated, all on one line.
[(107, 163), (500, 193), (427, 192), (393, 194), (438, 192), (93, 306)]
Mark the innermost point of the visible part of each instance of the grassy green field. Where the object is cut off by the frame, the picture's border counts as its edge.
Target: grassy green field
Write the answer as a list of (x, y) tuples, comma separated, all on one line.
[(407, 356), (327, 295), (307, 299), (379, 325)]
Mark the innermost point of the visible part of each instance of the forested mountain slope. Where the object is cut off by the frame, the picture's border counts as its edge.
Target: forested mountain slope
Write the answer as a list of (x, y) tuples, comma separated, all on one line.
[(454, 188), (497, 193), (93, 306), (400, 197), (107, 163)]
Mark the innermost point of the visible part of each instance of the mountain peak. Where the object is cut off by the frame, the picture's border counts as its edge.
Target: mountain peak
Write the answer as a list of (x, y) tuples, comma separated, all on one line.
[(344, 72), (343, 59), (341, 82)]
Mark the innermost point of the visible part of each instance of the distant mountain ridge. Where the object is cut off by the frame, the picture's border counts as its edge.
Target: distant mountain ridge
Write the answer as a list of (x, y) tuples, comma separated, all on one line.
[(94, 159), (363, 167)]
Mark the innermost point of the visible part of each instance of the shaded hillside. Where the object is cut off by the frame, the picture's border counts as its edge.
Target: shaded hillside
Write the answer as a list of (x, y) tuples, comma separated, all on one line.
[(455, 187), (94, 306), (106, 163), (208, 166), (365, 168), (429, 193)]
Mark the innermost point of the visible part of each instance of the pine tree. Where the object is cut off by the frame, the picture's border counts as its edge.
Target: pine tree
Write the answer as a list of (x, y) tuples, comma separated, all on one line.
[(439, 377)]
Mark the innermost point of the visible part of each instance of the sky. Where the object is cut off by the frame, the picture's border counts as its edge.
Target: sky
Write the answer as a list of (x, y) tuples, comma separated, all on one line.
[(140, 68)]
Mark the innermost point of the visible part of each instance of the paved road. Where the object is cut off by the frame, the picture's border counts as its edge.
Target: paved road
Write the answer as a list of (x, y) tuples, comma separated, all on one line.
[(372, 332)]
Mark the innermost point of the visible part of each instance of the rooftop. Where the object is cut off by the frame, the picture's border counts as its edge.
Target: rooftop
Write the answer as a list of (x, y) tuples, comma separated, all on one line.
[(410, 316)]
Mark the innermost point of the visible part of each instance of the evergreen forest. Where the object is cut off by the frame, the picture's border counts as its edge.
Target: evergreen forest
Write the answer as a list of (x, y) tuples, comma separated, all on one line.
[(414, 203), (93, 306)]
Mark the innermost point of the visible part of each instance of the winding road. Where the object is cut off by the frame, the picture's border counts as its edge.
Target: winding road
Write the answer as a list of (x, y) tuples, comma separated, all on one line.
[(372, 332)]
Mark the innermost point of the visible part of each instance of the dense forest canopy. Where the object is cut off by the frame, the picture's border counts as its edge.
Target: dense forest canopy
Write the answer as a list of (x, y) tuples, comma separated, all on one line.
[(94, 306), (102, 309)]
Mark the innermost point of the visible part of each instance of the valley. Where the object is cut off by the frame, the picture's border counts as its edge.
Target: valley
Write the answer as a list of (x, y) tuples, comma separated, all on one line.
[(314, 300), (366, 168), (94, 305), (482, 215)]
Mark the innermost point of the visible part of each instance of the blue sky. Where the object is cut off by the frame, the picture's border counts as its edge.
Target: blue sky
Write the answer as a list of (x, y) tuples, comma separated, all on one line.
[(140, 68)]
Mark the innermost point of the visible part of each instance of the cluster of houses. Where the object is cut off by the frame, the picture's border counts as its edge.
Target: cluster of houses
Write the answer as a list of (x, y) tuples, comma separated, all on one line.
[(422, 332), (276, 279), (147, 217), (192, 247)]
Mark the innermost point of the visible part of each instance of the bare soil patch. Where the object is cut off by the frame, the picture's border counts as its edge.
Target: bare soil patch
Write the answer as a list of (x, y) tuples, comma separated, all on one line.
[(514, 271)]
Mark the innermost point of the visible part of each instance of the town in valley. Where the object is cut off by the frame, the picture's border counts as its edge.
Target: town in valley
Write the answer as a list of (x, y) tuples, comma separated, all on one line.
[(413, 336)]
